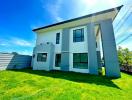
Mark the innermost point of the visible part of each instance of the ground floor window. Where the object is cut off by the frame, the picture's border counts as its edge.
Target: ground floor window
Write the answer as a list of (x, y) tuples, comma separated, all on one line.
[(80, 60), (41, 57), (57, 60)]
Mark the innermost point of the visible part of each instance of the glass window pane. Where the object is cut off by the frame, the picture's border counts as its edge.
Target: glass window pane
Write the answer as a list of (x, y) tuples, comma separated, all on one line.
[(84, 66), (76, 57), (75, 65), (58, 60), (74, 39), (41, 57), (84, 57), (78, 39), (80, 60), (80, 65), (82, 38), (78, 35), (74, 33), (57, 38)]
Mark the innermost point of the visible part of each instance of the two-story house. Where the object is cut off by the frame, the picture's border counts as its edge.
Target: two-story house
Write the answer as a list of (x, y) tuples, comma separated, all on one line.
[(77, 45)]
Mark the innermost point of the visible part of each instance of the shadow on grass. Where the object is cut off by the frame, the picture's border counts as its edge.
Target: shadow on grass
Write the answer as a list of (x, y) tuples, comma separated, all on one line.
[(129, 73), (72, 76)]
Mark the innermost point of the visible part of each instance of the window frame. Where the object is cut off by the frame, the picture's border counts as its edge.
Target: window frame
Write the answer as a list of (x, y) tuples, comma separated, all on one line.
[(58, 38), (81, 37), (42, 59), (80, 62), (96, 44), (57, 60)]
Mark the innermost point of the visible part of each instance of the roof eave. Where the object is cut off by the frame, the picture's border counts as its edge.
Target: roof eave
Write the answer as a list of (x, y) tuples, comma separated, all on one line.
[(90, 15)]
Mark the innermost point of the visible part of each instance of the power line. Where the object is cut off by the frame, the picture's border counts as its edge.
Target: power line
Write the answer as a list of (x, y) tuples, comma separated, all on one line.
[(118, 27), (123, 22), (124, 39), (123, 17), (125, 30)]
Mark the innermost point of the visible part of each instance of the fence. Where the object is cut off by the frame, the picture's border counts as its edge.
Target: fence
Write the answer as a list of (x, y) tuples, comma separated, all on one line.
[(14, 61)]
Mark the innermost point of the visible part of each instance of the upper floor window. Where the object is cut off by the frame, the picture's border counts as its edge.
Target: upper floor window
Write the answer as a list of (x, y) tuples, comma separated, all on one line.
[(78, 35), (96, 45), (57, 38)]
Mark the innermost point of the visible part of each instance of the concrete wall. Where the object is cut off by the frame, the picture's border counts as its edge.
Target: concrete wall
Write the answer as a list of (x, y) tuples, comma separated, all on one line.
[(109, 49), (92, 55), (14, 61), (44, 48), (78, 47), (50, 36), (65, 50)]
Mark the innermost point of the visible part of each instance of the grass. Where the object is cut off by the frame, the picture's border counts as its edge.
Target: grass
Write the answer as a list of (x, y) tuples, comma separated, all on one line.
[(41, 85)]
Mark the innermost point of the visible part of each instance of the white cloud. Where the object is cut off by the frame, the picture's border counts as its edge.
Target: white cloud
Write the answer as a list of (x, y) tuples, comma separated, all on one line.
[(78, 7), (90, 3), (130, 30), (127, 2), (21, 42), (113, 3), (127, 45), (54, 9), (25, 52), (13, 41), (85, 7), (4, 44)]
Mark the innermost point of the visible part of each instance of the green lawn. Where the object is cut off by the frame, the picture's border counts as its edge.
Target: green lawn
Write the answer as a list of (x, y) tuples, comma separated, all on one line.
[(55, 85)]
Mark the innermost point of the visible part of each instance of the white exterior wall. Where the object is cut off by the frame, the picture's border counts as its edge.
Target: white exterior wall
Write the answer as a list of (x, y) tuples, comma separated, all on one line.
[(45, 65), (78, 47), (75, 47), (50, 37)]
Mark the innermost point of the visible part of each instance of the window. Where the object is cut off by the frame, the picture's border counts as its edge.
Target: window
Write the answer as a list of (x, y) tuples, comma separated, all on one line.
[(57, 38), (96, 44), (42, 57), (80, 60), (57, 60), (78, 35), (33, 56)]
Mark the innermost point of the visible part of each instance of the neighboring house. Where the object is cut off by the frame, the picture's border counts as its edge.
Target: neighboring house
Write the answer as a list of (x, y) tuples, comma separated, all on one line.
[(75, 45)]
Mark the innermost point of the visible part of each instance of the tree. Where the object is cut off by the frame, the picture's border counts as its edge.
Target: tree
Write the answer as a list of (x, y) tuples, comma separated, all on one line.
[(125, 58), (120, 56)]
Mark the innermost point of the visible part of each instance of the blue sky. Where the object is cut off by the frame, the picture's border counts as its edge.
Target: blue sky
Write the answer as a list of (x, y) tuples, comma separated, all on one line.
[(19, 17)]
